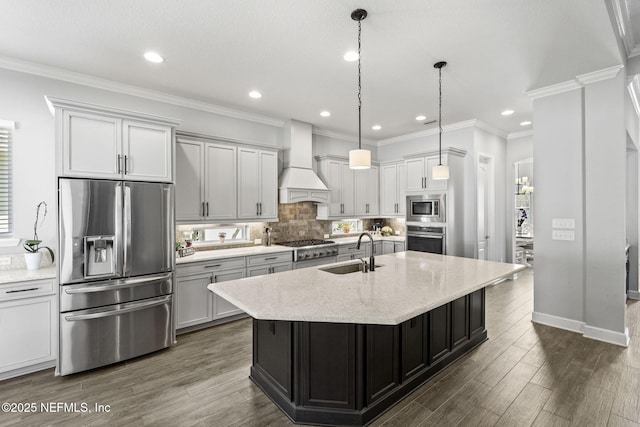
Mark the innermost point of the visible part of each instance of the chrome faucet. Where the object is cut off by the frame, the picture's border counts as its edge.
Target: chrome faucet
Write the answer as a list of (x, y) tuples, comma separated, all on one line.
[(372, 260)]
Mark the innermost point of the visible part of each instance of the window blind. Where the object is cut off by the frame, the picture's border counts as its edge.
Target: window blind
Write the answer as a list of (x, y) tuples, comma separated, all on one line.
[(5, 181)]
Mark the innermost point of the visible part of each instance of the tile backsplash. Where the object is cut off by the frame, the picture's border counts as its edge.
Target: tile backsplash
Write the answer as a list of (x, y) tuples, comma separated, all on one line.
[(297, 222)]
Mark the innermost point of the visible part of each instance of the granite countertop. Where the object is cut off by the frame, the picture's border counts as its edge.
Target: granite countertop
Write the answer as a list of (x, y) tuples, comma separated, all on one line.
[(406, 285), (15, 276), (230, 253)]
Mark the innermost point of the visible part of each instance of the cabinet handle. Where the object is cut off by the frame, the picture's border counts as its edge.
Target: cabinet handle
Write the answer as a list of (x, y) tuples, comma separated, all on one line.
[(126, 158), (118, 162), (212, 266), (260, 208), (207, 208), (15, 291), (367, 208), (270, 258), (215, 278), (202, 208), (257, 208)]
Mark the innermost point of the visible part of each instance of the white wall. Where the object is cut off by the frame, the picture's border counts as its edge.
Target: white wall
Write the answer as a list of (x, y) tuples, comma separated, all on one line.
[(518, 149), (33, 152)]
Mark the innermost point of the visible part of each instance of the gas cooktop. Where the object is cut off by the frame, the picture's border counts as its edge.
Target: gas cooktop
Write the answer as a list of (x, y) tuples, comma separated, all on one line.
[(303, 243)]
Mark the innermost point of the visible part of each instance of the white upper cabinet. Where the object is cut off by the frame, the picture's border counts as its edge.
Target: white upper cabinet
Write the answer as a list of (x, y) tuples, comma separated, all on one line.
[(101, 142), (257, 184), (367, 196), (419, 173), (339, 179), (205, 180), (393, 178)]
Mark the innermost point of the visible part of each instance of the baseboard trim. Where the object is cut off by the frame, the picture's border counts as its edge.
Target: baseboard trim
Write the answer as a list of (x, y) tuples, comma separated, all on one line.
[(606, 335), (591, 332), (27, 370), (558, 322), (633, 294)]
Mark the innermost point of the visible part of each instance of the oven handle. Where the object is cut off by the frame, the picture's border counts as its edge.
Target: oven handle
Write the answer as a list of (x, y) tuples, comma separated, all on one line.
[(120, 284), (427, 236), (116, 311)]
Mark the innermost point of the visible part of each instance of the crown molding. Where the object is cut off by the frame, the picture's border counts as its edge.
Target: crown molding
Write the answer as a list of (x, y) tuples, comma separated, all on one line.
[(596, 76), (340, 136), (634, 92), (624, 25), (521, 134), (577, 83), (100, 83), (553, 89), (473, 123)]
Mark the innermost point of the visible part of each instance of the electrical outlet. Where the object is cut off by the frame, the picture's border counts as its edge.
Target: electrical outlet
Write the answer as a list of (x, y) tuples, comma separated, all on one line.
[(326, 236), (5, 260), (258, 241), (563, 235), (564, 223), (397, 232)]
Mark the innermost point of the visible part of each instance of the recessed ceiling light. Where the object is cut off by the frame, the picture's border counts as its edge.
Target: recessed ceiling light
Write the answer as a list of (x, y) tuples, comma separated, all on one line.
[(376, 127), (507, 112), (525, 123), (153, 57), (255, 94), (351, 56), (325, 114), (421, 117)]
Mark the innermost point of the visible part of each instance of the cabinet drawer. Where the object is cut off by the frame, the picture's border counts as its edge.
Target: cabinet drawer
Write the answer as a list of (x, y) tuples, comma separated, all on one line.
[(210, 266), (26, 290), (350, 248), (269, 258)]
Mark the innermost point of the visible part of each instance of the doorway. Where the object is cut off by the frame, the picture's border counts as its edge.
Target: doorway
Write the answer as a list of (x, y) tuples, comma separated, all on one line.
[(485, 209), (523, 232)]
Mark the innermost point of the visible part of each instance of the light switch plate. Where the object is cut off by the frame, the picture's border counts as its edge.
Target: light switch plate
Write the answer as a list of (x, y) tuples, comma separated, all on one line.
[(5, 260), (564, 223), (257, 241), (563, 235)]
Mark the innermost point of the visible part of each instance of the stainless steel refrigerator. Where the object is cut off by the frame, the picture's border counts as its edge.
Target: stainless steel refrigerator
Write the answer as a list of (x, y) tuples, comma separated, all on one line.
[(116, 262)]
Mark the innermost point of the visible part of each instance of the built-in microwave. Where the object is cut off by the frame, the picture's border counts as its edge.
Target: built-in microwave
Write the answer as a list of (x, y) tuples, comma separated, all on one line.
[(426, 208)]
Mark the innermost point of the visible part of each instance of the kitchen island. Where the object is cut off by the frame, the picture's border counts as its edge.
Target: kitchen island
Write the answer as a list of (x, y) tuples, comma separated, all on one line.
[(340, 349)]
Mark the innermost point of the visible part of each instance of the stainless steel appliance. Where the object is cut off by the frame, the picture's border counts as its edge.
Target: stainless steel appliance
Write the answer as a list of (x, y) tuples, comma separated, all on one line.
[(116, 262), (426, 208), (427, 239), (309, 253)]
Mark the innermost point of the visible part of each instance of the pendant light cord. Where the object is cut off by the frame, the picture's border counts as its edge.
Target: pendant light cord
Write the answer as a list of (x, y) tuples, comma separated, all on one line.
[(359, 91), (440, 116)]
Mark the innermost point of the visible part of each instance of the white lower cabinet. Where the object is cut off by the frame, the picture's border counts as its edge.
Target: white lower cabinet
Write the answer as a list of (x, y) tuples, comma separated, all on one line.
[(349, 251), (390, 247), (28, 327), (259, 265), (221, 307)]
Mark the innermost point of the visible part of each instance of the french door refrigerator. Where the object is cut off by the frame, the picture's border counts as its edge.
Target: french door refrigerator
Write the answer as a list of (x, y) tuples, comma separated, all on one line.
[(116, 262)]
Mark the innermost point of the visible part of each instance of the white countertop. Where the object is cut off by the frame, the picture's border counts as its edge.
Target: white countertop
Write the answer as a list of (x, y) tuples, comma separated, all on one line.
[(230, 253), (408, 284), (14, 276), (354, 239)]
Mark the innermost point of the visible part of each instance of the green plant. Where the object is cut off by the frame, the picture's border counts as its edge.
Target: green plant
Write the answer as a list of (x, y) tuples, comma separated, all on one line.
[(33, 245)]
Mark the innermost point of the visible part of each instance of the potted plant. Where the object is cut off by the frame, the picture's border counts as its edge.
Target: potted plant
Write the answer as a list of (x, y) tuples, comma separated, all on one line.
[(33, 257)]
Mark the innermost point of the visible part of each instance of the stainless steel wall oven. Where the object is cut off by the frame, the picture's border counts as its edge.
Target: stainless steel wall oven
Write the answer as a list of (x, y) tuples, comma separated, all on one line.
[(427, 239)]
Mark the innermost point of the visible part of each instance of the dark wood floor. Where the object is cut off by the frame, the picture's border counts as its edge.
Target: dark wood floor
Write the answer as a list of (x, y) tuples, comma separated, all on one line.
[(525, 374)]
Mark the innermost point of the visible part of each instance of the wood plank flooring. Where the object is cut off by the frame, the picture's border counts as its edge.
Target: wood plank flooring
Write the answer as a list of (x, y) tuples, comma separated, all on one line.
[(525, 374)]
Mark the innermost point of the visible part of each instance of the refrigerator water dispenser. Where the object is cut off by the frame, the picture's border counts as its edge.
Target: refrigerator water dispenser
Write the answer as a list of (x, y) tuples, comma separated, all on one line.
[(98, 256)]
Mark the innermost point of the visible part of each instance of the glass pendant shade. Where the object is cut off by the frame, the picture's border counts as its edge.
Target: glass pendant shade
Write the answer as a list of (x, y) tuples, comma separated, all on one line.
[(359, 159), (440, 172)]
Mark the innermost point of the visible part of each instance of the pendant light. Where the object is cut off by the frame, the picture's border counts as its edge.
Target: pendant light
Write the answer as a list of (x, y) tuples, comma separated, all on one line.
[(441, 171), (359, 159)]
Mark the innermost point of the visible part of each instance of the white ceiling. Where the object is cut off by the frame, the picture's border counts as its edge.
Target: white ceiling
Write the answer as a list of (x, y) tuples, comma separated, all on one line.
[(291, 50)]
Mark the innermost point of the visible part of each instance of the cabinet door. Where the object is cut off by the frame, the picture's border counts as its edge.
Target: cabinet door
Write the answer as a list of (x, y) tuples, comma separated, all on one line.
[(435, 184), (147, 151), (28, 332), (415, 174), (222, 307), (334, 178), (373, 192), (268, 184), (348, 208), (220, 187), (248, 183), (194, 301), (189, 173), (398, 247), (388, 190), (387, 247), (402, 188), (91, 145), (361, 196)]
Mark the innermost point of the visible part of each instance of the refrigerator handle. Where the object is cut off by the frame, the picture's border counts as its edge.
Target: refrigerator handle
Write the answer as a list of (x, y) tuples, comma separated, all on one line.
[(117, 246), (126, 236)]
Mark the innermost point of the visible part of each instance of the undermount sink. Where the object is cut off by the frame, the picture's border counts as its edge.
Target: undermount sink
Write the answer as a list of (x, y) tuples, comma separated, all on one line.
[(346, 268)]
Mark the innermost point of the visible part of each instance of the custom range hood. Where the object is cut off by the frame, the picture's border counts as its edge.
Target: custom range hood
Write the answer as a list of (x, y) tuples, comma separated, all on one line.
[(298, 182)]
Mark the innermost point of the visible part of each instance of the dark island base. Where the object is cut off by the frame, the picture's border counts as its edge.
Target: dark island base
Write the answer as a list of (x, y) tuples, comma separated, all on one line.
[(349, 374)]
